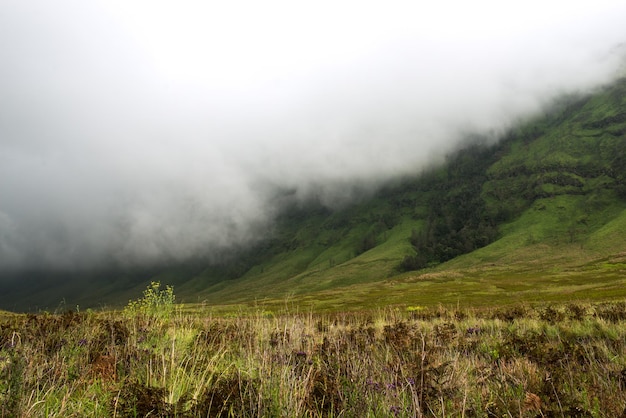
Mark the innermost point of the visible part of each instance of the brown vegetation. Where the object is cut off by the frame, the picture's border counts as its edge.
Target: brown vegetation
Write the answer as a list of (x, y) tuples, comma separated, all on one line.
[(553, 361)]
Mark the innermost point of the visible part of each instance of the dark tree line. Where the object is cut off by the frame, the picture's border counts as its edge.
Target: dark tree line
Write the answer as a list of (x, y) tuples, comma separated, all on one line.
[(458, 220), (618, 169)]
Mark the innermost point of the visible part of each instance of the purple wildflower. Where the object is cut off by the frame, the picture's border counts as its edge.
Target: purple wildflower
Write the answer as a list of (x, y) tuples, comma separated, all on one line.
[(375, 386), (473, 330)]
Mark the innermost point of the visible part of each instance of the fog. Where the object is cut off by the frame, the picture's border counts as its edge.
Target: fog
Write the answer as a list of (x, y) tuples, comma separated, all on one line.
[(144, 131)]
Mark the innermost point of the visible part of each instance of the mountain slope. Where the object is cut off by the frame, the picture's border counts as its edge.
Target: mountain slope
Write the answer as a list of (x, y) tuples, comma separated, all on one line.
[(549, 197), (538, 215)]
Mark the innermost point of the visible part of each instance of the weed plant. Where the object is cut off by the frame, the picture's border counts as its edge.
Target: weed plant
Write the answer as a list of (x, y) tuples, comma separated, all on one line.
[(156, 302), (522, 361)]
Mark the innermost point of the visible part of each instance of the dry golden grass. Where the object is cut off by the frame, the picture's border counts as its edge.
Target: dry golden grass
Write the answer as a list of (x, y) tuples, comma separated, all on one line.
[(562, 360)]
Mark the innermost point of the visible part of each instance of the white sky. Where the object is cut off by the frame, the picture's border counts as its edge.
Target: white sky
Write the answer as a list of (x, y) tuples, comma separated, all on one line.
[(133, 131)]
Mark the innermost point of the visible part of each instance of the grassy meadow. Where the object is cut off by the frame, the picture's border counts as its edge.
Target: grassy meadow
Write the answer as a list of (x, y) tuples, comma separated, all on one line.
[(159, 359)]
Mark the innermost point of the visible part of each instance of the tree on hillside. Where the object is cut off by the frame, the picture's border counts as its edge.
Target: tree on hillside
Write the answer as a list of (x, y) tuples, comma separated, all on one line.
[(458, 222)]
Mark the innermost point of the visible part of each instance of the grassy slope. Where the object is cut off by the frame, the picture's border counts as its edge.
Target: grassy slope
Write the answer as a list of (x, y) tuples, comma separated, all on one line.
[(567, 243), (553, 185)]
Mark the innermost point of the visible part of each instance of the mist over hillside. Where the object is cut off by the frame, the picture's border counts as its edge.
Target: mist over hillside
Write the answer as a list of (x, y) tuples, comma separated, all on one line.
[(143, 133), (544, 203)]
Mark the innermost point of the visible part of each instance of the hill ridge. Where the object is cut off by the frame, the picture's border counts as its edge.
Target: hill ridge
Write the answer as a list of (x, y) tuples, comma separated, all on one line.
[(545, 202)]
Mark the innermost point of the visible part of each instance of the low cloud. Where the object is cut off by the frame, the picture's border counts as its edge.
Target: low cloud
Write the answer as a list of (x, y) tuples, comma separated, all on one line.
[(157, 131)]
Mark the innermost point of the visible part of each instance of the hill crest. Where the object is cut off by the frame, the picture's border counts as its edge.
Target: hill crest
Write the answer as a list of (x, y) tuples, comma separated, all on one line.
[(539, 213)]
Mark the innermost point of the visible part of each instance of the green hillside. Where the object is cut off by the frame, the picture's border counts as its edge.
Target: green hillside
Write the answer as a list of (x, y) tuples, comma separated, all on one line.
[(538, 215), (541, 211)]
